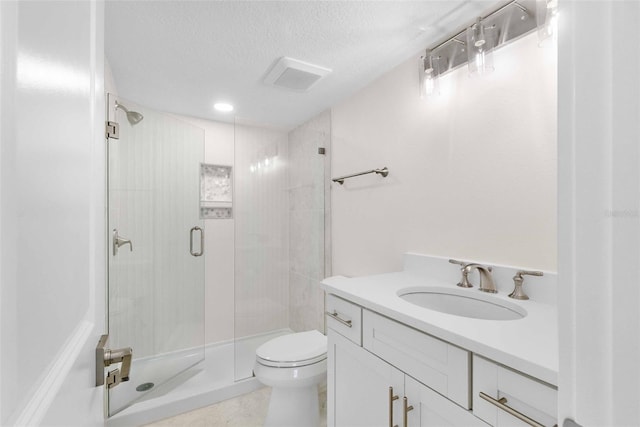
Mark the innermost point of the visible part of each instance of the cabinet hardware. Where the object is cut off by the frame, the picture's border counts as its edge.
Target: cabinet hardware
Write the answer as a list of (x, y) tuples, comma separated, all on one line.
[(335, 315), (501, 403), (392, 398), (407, 408)]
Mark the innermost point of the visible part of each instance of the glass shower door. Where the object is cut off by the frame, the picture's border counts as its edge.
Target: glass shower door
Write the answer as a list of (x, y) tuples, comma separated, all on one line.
[(280, 198), (156, 282)]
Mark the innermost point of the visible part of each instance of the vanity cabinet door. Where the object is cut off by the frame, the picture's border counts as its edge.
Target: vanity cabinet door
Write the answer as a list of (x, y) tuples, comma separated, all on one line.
[(358, 386), (431, 409)]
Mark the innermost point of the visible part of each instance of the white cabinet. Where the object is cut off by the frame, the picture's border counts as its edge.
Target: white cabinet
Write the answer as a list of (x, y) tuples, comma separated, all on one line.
[(508, 390), (364, 390), (384, 373), (443, 367), (358, 386)]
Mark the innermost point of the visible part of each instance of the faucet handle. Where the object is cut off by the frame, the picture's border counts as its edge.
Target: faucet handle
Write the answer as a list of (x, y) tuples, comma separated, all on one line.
[(455, 261), (464, 282), (518, 280)]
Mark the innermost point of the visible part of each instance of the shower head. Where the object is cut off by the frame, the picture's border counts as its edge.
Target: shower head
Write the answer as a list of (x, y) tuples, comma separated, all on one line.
[(133, 116)]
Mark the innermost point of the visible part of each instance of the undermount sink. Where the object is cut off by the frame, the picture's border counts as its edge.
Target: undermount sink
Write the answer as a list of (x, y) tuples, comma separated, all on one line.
[(462, 302)]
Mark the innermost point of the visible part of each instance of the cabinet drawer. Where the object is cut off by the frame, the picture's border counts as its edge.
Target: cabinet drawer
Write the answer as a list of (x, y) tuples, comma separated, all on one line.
[(344, 318), (435, 363), (532, 398)]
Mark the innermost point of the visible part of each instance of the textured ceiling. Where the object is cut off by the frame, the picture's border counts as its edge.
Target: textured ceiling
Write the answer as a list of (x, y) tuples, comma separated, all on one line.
[(183, 56)]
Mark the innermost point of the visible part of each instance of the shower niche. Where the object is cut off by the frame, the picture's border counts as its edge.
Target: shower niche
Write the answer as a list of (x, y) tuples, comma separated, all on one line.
[(216, 191)]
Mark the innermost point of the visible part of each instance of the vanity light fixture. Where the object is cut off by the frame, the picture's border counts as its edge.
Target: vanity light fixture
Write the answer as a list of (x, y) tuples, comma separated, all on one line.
[(487, 33)]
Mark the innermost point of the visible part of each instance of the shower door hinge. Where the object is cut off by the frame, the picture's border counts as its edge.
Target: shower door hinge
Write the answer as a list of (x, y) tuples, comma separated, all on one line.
[(113, 130), (106, 357)]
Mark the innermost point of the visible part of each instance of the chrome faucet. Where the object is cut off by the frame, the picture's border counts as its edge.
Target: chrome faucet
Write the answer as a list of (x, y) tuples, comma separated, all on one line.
[(486, 279)]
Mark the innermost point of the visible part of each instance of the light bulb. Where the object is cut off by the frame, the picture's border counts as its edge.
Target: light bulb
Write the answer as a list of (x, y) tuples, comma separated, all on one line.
[(429, 72), (429, 84), (480, 61), (479, 46)]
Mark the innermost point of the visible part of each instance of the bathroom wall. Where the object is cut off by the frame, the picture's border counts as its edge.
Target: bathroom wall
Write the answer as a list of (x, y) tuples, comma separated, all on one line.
[(306, 177), (472, 173), (51, 211)]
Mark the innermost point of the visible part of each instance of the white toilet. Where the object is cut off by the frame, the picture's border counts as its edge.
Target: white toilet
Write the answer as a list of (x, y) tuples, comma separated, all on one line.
[(293, 365)]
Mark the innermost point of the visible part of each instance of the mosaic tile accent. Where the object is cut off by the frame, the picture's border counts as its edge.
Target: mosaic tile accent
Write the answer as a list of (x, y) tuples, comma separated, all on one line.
[(216, 191), (216, 213)]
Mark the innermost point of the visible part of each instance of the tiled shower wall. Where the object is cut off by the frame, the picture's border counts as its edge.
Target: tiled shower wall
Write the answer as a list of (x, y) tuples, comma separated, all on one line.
[(261, 231), (307, 174)]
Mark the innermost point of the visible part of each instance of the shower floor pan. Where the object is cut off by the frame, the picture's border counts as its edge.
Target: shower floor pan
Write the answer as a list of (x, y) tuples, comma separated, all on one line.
[(209, 382)]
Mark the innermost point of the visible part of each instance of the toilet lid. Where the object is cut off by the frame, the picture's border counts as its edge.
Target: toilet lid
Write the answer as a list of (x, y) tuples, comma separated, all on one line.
[(297, 349)]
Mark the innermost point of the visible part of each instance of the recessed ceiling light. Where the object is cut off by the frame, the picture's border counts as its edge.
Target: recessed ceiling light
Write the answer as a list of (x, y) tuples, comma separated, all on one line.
[(223, 107)]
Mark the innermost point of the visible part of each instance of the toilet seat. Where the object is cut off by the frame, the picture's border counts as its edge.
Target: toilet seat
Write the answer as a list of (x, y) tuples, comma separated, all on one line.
[(291, 364), (293, 350)]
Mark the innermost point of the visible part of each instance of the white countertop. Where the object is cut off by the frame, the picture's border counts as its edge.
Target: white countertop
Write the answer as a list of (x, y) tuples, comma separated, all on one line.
[(528, 345)]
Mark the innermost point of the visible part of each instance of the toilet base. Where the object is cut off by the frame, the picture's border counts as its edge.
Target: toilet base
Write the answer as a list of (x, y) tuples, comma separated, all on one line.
[(293, 407)]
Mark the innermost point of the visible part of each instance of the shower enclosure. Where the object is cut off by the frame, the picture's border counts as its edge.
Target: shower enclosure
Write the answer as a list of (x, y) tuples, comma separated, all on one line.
[(264, 258), (156, 271)]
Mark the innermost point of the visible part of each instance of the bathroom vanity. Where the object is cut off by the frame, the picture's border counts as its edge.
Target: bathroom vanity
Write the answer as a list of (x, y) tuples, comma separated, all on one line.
[(393, 362)]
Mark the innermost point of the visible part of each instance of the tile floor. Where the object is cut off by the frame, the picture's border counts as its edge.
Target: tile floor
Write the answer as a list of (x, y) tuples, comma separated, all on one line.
[(248, 410)]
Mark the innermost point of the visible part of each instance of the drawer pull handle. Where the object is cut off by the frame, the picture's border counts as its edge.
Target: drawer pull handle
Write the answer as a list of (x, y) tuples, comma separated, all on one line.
[(501, 404), (407, 408), (392, 398), (335, 315)]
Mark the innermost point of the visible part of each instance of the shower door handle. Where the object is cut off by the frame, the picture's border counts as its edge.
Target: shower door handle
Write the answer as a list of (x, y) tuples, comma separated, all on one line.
[(201, 241)]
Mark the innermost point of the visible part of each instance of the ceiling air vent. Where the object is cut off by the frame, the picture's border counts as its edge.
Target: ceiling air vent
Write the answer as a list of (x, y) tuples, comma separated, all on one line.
[(289, 73)]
